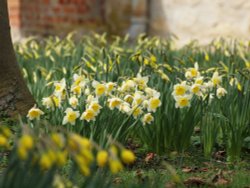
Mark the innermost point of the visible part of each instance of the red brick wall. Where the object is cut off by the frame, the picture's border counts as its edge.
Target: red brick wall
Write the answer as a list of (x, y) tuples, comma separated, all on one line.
[(45, 17)]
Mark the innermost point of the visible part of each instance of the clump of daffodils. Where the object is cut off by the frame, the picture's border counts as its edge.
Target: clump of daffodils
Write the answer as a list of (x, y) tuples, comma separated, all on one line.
[(84, 99), (5, 135), (55, 149), (197, 86)]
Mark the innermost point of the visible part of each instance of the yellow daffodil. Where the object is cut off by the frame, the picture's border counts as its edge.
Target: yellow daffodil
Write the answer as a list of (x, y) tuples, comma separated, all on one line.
[(3, 140), (127, 156), (102, 158), (115, 166)]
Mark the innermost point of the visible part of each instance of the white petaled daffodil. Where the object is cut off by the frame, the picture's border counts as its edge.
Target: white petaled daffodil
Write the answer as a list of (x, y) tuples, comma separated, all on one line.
[(48, 102), (147, 119), (127, 85), (34, 113), (73, 101), (79, 80), (100, 88), (141, 81), (129, 99), (216, 79), (88, 115), (94, 105), (152, 92), (60, 87), (125, 108), (110, 86), (196, 89), (70, 116), (136, 111), (193, 72), (180, 89), (114, 102), (199, 80), (183, 101), (138, 98), (153, 104), (76, 89), (220, 92), (57, 101)]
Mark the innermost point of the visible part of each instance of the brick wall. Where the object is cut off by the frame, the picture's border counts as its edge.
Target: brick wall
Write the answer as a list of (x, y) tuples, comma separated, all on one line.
[(44, 17)]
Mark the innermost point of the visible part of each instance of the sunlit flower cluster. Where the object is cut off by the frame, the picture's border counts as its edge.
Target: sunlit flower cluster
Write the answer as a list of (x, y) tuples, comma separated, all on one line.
[(198, 86), (56, 149), (83, 99)]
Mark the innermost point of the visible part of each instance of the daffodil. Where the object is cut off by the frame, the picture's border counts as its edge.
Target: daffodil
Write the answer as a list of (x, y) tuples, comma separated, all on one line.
[(125, 108), (102, 158), (73, 101), (76, 89), (127, 156), (88, 115), (216, 79), (153, 104), (48, 102), (94, 105), (100, 88), (127, 85), (114, 103), (180, 89), (152, 92), (220, 92), (136, 111), (79, 80), (183, 101), (34, 113), (147, 119), (196, 89), (70, 116), (3, 140), (199, 80), (60, 87), (110, 86), (193, 72), (138, 98), (115, 166), (141, 81)]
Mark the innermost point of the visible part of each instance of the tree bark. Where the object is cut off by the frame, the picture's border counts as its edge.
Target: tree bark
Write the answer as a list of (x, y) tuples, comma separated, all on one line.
[(15, 97)]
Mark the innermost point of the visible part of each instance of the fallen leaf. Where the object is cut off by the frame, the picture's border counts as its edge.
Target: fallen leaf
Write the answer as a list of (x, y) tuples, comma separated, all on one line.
[(170, 185), (196, 182), (187, 170), (219, 179), (117, 180), (149, 157)]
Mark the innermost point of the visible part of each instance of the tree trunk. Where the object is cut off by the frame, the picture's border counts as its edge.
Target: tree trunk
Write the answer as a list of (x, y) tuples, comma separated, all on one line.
[(15, 97)]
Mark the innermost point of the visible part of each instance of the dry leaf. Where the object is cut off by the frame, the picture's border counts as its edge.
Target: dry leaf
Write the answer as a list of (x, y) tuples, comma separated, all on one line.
[(187, 170)]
